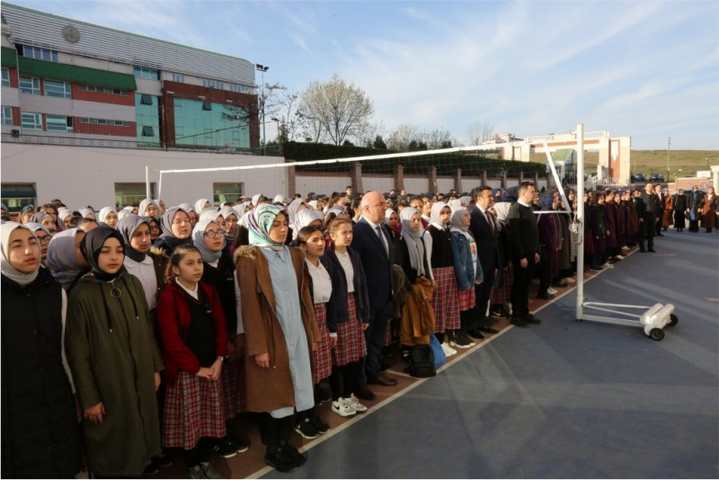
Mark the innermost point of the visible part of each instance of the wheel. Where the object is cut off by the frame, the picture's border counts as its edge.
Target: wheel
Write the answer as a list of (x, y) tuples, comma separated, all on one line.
[(656, 334), (673, 320)]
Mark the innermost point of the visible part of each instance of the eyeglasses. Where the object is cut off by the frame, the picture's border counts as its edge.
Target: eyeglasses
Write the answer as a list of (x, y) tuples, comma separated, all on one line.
[(181, 222), (43, 238), (214, 233)]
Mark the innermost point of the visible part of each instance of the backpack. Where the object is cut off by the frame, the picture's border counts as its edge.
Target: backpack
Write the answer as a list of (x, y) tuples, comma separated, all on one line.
[(421, 362)]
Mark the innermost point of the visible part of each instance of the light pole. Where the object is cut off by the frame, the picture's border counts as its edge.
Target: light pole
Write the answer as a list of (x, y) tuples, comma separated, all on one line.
[(262, 69)]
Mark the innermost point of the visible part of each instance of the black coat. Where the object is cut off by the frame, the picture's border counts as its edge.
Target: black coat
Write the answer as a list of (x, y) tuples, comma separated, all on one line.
[(223, 279), (337, 305), (487, 242), (377, 266), (524, 234), (40, 429)]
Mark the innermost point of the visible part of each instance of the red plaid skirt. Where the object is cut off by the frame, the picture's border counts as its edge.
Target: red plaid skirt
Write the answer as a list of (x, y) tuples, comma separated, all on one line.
[(232, 386), (467, 299), (445, 300), (193, 409), (351, 345), (322, 357), (503, 292)]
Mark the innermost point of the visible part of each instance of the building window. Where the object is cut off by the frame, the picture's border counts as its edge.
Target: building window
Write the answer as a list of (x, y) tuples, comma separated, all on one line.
[(5, 77), (109, 91), (131, 193), (148, 131), (57, 89), (31, 120), (58, 123), (209, 83), (17, 195), (30, 85), (178, 77), (145, 73), (227, 192), (146, 99), (6, 115), (38, 53)]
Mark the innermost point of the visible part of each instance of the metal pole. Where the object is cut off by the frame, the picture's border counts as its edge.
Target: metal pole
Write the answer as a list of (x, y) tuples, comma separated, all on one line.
[(159, 187), (580, 221), (147, 182)]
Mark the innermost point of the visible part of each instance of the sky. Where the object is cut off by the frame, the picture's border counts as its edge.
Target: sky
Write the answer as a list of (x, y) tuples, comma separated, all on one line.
[(645, 69)]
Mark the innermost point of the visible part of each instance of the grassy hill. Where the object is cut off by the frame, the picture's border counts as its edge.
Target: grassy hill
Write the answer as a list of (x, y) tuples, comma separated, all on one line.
[(682, 163)]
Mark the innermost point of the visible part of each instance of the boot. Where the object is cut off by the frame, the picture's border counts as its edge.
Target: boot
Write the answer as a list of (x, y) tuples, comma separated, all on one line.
[(272, 437)]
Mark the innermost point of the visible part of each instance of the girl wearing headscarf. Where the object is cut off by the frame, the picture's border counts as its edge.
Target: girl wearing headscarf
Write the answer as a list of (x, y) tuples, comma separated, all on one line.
[(194, 341), (308, 217), (155, 230), (88, 213), (65, 259), (108, 216), (43, 237), (38, 407), (219, 272), (279, 323), (311, 240), (150, 268), (28, 211), (47, 220), (201, 205), (176, 230), (148, 208), (467, 270), (114, 360), (391, 218), (125, 211), (445, 299), (348, 314), (414, 256)]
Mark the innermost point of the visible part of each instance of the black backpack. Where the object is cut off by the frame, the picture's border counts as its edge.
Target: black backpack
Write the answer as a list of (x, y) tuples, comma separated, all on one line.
[(421, 362)]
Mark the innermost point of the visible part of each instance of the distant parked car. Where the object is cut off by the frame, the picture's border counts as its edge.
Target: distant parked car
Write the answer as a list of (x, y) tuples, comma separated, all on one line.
[(638, 178), (656, 178)]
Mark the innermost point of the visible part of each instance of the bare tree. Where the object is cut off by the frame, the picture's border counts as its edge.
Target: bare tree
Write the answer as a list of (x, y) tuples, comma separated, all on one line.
[(401, 137), (287, 116), (336, 109), (481, 132), (437, 138)]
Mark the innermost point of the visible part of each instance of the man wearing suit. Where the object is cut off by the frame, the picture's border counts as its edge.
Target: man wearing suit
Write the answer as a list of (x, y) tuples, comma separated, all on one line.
[(373, 243), (647, 213), (524, 237), (484, 229), (660, 210)]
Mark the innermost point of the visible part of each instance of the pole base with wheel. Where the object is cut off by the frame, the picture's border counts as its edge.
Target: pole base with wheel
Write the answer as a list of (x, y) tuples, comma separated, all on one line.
[(653, 320)]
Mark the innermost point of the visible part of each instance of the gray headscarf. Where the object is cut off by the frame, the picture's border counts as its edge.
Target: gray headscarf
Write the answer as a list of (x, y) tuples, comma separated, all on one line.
[(8, 270), (61, 259), (415, 246), (198, 238)]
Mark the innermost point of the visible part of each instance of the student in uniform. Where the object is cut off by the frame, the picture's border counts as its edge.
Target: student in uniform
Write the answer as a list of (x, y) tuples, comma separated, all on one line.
[(467, 270), (194, 345), (176, 230), (114, 360), (43, 237), (311, 240), (108, 216), (40, 432), (348, 317), (445, 300), (219, 272), (148, 208), (279, 324), (65, 259)]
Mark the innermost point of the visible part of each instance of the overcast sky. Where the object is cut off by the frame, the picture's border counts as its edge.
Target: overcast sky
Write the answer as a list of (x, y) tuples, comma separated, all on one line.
[(645, 69)]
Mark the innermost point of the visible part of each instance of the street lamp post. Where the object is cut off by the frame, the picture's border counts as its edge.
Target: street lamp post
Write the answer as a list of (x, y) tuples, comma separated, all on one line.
[(262, 69)]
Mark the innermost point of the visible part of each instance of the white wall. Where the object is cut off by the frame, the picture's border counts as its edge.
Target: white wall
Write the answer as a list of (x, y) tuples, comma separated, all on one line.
[(416, 185), (444, 185), (379, 184), (321, 184), (468, 183), (84, 175)]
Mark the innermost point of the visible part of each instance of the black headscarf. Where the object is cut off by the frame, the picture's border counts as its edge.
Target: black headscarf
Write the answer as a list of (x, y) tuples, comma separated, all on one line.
[(92, 245), (127, 227)]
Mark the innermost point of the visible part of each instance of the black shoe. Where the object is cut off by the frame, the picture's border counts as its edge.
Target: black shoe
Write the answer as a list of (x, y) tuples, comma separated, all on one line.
[(307, 429), (519, 322), (532, 319), (545, 296), (364, 393), (293, 455), (460, 340), (652, 250), (163, 460), (276, 458), (476, 334), (489, 330), (381, 379), (226, 448), (321, 426)]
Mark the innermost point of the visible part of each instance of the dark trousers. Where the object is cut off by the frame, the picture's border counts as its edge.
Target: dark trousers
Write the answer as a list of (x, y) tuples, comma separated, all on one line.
[(520, 287), (374, 337), (545, 271), (482, 293), (659, 222), (646, 231), (346, 380)]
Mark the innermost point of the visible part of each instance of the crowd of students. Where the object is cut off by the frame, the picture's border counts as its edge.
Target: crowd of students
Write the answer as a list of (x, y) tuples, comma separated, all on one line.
[(131, 333)]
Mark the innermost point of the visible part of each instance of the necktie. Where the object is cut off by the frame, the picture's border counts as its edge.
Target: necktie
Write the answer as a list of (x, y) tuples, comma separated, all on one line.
[(490, 220), (382, 239)]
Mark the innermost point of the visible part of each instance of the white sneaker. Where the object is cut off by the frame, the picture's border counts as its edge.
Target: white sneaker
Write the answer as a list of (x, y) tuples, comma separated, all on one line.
[(552, 291), (355, 403), (448, 351), (619, 257), (343, 407)]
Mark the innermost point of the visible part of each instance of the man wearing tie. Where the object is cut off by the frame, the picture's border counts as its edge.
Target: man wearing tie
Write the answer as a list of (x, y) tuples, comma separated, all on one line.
[(372, 242), (484, 228)]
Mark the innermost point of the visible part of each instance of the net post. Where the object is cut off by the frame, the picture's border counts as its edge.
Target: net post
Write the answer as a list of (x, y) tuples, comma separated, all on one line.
[(159, 187), (580, 221), (147, 182)]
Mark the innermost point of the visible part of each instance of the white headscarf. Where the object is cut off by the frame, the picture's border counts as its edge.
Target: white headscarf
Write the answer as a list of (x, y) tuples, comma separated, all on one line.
[(121, 214), (227, 211), (454, 204), (201, 204), (87, 213), (104, 211), (502, 211), (142, 209), (241, 208), (305, 217), (8, 270), (435, 214)]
